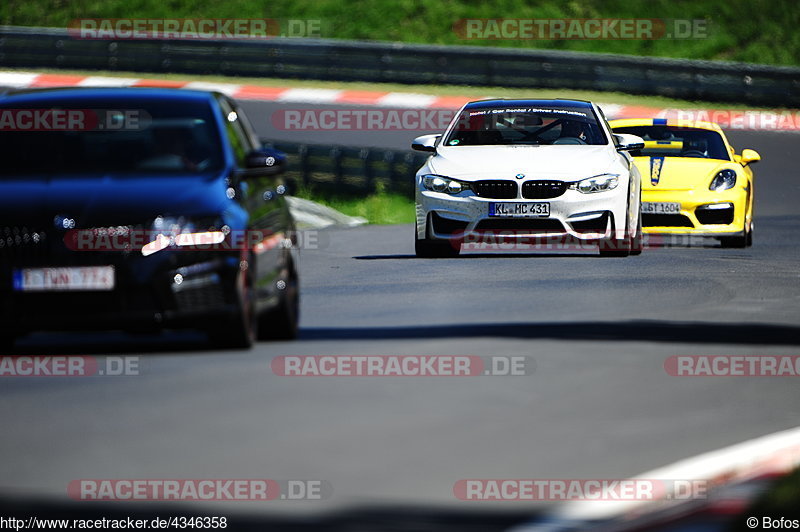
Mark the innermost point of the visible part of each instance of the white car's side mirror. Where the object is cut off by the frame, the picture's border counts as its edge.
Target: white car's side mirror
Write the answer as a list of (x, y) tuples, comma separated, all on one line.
[(626, 142), (425, 143)]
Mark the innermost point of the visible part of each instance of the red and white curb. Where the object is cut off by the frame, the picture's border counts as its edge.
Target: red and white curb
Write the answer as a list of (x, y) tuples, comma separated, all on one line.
[(22, 80), (773, 454), (750, 120)]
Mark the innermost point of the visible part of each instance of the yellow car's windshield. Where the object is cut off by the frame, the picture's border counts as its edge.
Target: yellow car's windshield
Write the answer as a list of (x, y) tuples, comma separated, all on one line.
[(672, 141)]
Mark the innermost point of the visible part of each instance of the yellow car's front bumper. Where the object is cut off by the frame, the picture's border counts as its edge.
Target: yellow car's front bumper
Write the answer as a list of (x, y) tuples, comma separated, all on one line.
[(701, 212)]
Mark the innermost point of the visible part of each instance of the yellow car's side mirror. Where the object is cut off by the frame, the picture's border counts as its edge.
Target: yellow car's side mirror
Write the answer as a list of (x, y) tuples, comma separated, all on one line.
[(749, 156)]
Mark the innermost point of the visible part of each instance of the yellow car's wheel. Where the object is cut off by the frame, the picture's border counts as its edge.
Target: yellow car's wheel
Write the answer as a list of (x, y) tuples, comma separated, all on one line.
[(733, 241), (743, 241)]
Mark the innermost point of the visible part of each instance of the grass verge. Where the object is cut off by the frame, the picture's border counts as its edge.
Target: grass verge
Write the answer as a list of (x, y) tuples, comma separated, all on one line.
[(380, 207), (758, 31), (781, 500)]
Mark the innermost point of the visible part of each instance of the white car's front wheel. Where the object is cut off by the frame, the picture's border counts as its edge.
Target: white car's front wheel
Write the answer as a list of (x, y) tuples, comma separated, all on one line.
[(436, 249), (637, 243), (618, 247)]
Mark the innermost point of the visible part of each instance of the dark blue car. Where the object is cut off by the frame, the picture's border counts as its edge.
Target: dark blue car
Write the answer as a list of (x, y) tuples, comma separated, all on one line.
[(142, 209)]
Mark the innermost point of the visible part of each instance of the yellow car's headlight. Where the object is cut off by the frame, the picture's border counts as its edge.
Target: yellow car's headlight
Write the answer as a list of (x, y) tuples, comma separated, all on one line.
[(723, 180)]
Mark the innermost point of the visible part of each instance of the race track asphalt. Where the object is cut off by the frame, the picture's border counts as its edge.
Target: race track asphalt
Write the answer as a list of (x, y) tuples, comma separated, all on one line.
[(598, 405)]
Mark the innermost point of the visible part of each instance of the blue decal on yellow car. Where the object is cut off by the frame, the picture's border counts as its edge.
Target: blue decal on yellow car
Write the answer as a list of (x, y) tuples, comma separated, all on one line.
[(656, 164)]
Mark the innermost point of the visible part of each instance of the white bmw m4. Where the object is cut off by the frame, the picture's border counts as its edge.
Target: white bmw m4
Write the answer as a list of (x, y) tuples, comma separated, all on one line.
[(528, 171)]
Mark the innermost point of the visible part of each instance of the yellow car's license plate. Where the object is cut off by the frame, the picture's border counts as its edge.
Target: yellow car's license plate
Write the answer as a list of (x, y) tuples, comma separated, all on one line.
[(650, 207)]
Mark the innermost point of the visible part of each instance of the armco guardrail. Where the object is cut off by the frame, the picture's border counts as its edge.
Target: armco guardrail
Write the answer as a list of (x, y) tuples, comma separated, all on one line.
[(407, 63), (346, 170)]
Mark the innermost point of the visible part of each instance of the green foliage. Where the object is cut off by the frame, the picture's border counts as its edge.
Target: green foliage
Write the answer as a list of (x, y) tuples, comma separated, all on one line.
[(378, 208), (757, 31), (782, 499)]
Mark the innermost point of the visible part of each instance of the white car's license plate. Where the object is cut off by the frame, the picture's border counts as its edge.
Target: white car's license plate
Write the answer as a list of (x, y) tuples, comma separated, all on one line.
[(519, 209), (64, 279), (649, 207)]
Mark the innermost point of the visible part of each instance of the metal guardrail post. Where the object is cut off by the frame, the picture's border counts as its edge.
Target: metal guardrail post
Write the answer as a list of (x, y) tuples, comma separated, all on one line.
[(305, 174)]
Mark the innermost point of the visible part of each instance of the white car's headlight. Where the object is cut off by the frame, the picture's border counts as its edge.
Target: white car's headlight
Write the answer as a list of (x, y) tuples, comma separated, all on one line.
[(440, 183), (723, 180), (598, 183)]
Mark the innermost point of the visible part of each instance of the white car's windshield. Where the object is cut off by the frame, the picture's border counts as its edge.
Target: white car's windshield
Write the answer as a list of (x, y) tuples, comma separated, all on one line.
[(526, 126)]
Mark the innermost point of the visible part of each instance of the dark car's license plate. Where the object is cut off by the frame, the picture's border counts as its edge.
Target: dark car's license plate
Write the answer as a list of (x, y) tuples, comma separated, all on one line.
[(64, 279)]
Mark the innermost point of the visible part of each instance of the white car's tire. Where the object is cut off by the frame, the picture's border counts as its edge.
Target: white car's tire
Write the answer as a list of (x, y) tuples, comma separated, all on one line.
[(617, 247), (436, 249), (637, 243)]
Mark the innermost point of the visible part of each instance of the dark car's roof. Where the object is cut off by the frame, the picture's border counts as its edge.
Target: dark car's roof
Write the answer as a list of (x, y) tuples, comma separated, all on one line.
[(88, 94), (502, 103)]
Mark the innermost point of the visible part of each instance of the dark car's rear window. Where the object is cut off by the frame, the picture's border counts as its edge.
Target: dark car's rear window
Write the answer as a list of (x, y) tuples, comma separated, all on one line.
[(139, 136)]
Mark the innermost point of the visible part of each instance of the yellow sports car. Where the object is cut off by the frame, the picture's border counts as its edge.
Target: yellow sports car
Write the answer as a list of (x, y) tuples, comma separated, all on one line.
[(692, 181)]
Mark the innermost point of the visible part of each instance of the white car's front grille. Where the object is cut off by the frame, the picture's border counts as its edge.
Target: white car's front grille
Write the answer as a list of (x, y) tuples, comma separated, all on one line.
[(543, 189), (495, 189)]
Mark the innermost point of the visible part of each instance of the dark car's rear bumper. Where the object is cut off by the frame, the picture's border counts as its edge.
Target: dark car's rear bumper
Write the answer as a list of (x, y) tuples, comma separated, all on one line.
[(146, 295)]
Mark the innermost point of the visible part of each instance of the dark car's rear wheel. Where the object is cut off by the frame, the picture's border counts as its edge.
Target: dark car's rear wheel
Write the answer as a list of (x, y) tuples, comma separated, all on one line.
[(281, 323), (239, 330), (7, 340)]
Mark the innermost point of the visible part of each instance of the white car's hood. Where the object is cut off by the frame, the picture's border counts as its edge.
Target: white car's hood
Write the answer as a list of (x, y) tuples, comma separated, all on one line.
[(534, 162)]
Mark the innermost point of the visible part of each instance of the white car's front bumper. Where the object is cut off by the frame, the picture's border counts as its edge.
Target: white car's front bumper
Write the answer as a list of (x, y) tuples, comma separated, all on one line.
[(586, 217)]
